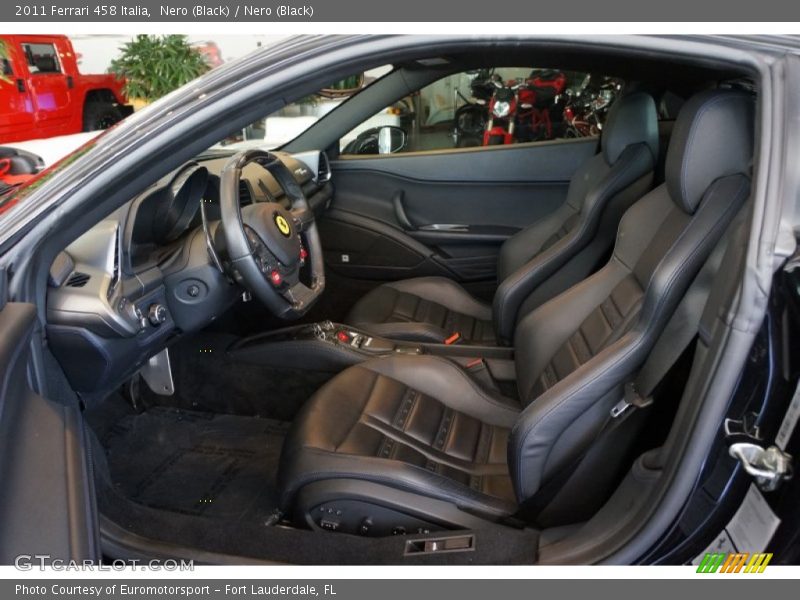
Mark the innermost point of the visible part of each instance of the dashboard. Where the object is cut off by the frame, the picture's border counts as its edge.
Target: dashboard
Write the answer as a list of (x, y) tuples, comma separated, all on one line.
[(150, 271)]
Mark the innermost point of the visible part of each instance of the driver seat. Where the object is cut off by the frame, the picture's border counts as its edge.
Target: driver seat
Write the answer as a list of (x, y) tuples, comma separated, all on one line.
[(416, 443), (539, 261)]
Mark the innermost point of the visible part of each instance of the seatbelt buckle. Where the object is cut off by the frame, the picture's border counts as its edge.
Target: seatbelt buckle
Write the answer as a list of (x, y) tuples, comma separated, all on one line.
[(475, 364), (453, 339), (631, 399)]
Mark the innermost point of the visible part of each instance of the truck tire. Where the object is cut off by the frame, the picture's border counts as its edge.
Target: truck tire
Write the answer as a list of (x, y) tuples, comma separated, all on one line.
[(100, 115)]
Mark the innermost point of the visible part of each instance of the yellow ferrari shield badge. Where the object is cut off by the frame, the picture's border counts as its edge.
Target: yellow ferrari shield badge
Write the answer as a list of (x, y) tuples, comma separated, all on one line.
[(283, 225)]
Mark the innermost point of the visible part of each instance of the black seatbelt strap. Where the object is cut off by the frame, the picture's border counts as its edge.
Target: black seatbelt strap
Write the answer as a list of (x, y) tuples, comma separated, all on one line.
[(680, 331)]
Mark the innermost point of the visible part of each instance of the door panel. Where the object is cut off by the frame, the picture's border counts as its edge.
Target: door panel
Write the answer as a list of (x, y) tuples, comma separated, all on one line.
[(45, 503), (50, 86), (445, 212)]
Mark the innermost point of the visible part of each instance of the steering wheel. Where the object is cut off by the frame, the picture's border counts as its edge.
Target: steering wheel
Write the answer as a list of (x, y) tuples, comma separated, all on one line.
[(263, 242)]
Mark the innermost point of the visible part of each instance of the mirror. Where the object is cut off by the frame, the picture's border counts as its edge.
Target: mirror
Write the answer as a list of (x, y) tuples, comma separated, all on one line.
[(391, 139), (378, 140)]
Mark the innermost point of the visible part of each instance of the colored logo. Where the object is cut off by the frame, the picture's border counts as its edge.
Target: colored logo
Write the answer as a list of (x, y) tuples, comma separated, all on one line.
[(740, 562), (283, 225)]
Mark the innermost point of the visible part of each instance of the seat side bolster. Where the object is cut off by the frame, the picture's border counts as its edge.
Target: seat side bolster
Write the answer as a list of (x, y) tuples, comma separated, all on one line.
[(449, 384), (305, 465), (542, 424), (524, 245), (446, 292), (635, 162)]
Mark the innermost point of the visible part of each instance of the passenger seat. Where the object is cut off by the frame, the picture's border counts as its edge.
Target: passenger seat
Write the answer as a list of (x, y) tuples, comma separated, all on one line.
[(538, 262)]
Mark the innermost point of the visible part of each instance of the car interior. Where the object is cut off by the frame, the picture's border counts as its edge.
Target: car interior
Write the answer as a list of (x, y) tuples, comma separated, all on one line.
[(428, 356)]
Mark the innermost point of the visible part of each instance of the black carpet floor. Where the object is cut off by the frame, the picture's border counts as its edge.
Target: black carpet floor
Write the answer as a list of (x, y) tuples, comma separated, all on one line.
[(208, 380), (193, 463)]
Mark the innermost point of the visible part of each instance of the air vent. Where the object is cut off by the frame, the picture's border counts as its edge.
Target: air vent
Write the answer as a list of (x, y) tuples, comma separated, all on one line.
[(324, 170), (112, 286), (245, 197), (78, 279)]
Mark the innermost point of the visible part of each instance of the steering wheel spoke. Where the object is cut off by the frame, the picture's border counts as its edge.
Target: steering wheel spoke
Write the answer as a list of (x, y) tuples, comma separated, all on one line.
[(303, 218)]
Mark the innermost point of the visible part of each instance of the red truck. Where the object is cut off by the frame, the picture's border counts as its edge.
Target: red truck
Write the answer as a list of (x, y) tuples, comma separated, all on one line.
[(42, 93)]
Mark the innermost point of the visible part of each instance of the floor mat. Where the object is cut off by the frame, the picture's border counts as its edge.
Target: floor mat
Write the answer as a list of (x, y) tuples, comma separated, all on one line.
[(206, 379), (219, 466)]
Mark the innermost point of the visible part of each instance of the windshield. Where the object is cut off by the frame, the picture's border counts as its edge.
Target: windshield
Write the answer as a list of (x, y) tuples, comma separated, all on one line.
[(282, 126)]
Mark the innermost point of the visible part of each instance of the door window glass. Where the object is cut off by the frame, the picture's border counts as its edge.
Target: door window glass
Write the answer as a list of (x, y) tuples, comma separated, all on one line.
[(41, 58), (508, 105)]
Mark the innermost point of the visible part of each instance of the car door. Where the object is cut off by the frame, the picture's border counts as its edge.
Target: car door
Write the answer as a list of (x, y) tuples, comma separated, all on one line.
[(51, 88), (437, 209), (46, 504)]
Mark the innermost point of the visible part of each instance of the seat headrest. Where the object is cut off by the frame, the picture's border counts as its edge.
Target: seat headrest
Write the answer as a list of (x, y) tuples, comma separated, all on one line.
[(632, 119), (712, 138)]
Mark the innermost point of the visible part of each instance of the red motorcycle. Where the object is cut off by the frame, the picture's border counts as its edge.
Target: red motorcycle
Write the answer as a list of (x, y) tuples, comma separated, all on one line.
[(522, 110), (587, 107)]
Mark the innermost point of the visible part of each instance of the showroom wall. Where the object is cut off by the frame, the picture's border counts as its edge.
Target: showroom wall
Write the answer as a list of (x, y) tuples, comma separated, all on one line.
[(97, 51)]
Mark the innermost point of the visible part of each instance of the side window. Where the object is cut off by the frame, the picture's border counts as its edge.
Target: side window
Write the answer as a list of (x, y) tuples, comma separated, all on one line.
[(487, 107), (7, 71), (41, 58)]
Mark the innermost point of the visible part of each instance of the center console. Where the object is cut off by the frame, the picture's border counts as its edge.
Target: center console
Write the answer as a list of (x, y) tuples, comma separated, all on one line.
[(324, 346), (328, 346)]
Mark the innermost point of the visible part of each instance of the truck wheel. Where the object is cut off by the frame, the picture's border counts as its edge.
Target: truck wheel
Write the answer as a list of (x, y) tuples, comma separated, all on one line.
[(100, 115)]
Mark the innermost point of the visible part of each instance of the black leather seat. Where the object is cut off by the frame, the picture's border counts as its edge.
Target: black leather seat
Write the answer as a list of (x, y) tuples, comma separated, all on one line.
[(540, 261), (414, 442)]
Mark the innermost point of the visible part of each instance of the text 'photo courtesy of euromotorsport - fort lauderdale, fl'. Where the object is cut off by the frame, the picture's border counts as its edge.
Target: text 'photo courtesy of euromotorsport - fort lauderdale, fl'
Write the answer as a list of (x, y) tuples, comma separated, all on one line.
[(167, 590), (357, 299)]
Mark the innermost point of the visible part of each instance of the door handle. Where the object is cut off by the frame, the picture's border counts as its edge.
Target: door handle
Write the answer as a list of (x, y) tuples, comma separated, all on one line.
[(400, 212), (21, 85), (70, 82)]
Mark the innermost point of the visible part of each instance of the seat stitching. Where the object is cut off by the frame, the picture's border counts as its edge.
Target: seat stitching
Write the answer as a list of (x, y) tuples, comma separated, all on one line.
[(424, 449)]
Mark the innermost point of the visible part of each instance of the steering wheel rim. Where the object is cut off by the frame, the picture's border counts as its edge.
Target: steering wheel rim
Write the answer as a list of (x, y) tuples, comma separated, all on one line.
[(264, 238)]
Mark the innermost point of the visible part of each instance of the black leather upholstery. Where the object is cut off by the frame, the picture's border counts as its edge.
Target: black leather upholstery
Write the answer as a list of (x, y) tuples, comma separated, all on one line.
[(630, 123), (423, 425), (443, 435), (427, 309), (540, 261), (698, 154)]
